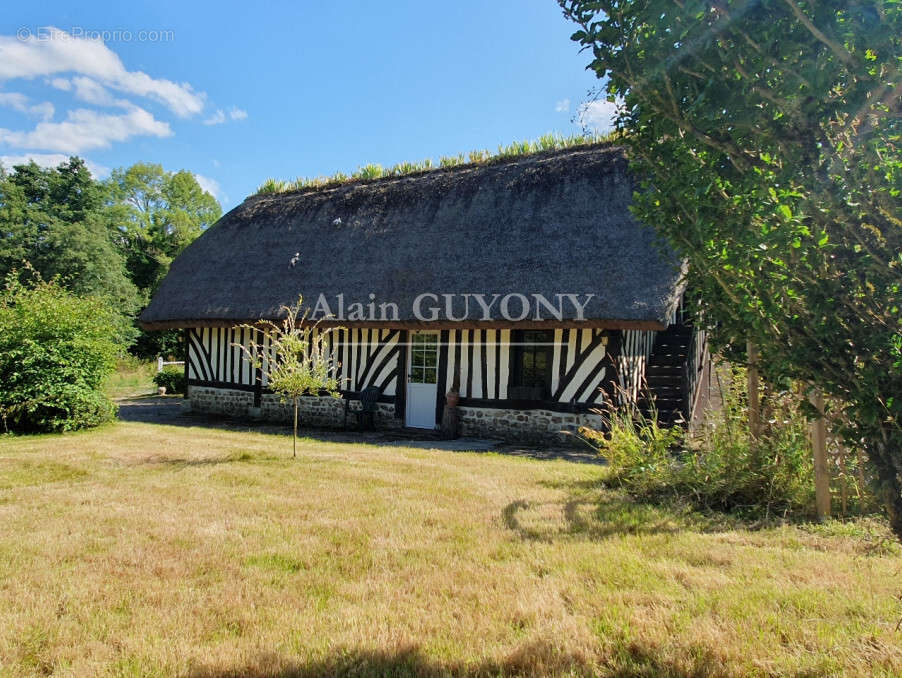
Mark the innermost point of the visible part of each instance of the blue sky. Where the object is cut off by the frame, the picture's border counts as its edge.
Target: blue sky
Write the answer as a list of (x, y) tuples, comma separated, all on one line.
[(240, 92)]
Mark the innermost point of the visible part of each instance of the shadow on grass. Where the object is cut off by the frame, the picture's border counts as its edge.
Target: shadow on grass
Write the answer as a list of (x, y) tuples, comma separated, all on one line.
[(591, 510), (534, 659), (208, 461)]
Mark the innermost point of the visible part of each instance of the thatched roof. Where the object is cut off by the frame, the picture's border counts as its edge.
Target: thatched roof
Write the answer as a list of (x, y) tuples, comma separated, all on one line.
[(551, 223)]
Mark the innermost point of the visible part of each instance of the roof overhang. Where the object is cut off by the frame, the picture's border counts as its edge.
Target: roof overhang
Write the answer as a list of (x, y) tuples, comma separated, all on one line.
[(420, 325)]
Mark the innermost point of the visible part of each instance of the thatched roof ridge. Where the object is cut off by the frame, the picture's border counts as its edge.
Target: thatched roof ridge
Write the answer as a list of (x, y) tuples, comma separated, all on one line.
[(547, 145), (549, 223)]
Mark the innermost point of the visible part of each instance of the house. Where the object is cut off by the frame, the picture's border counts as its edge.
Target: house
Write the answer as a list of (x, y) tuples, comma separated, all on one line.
[(525, 280)]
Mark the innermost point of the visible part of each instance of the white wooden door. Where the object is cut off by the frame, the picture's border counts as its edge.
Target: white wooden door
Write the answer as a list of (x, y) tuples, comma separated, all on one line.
[(422, 379)]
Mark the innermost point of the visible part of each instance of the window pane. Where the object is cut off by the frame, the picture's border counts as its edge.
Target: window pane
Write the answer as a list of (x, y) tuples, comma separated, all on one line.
[(430, 359), (532, 360), (540, 360), (429, 375)]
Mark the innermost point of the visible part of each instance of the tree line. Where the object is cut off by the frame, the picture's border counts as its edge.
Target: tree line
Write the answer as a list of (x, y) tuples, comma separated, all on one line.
[(111, 240)]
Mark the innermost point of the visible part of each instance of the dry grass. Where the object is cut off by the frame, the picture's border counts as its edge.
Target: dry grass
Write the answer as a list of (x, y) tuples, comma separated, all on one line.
[(142, 550)]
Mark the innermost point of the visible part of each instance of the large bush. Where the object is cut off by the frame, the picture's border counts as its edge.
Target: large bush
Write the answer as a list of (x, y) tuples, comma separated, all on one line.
[(56, 349), (765, 137)]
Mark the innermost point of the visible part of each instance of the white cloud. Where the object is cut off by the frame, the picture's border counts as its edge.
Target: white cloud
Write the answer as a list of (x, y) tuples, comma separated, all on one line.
[(217, 118), (220, 117), (562, 106), (92, 92), (211, 186), (60, 83), (53, 51), (20, 102), (84, 129), (597, 115), (50, 160)]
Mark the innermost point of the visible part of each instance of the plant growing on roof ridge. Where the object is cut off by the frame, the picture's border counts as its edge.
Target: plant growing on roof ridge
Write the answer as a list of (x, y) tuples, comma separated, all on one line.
[(547, 142), (298, 361)]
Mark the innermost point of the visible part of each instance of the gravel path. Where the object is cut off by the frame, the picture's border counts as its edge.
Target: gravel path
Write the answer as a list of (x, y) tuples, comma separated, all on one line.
[(171, 411)]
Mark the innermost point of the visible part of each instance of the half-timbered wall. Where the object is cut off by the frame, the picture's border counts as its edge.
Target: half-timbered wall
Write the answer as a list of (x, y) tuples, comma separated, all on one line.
[(580, 365), (633, 359), (481, 358), (214, 355), (365, 357)]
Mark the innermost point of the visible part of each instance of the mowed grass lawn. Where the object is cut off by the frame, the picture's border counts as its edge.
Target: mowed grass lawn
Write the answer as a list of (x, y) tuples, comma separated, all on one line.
[(147, 550)]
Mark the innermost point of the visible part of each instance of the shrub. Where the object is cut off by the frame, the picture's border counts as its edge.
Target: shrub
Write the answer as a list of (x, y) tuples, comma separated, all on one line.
[(56, 349), (639, 451), (721, 468), (172, 379)]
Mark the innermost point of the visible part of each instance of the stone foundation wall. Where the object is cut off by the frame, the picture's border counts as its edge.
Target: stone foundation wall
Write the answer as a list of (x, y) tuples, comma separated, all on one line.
[(312, 410), (220, 400), (537, 426), (324, 412)]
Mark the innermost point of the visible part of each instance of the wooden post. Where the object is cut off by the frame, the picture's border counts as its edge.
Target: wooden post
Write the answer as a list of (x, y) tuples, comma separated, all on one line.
[(819, 447), (754, 396)]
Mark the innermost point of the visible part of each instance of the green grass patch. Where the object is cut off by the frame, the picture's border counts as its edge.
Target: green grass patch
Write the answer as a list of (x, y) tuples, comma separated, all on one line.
[(279, 562), (132, 378)]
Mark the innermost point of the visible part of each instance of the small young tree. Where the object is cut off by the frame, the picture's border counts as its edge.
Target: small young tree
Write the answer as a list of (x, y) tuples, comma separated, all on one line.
[(299, 360)]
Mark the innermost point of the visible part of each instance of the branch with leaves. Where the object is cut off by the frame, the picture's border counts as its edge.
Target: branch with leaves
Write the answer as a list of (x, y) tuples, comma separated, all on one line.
[(298, 360), (767, 144)]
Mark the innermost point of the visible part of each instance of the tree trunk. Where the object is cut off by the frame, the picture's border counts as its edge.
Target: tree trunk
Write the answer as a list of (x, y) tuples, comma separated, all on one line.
[(819, 447), (294, 437), (753, 382)]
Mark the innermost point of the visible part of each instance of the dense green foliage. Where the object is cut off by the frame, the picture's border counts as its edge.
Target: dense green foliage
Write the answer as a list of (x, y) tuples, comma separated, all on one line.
[(158, 214), (57, 220), (547, 142), (766, 137), (113, 239), (56, 350), (172, 379)]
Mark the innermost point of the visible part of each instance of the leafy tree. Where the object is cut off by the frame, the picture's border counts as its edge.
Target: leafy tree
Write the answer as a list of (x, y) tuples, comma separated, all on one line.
[(299, 361), (56, 349), (766, 138), (56, 219), (158, 214)]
